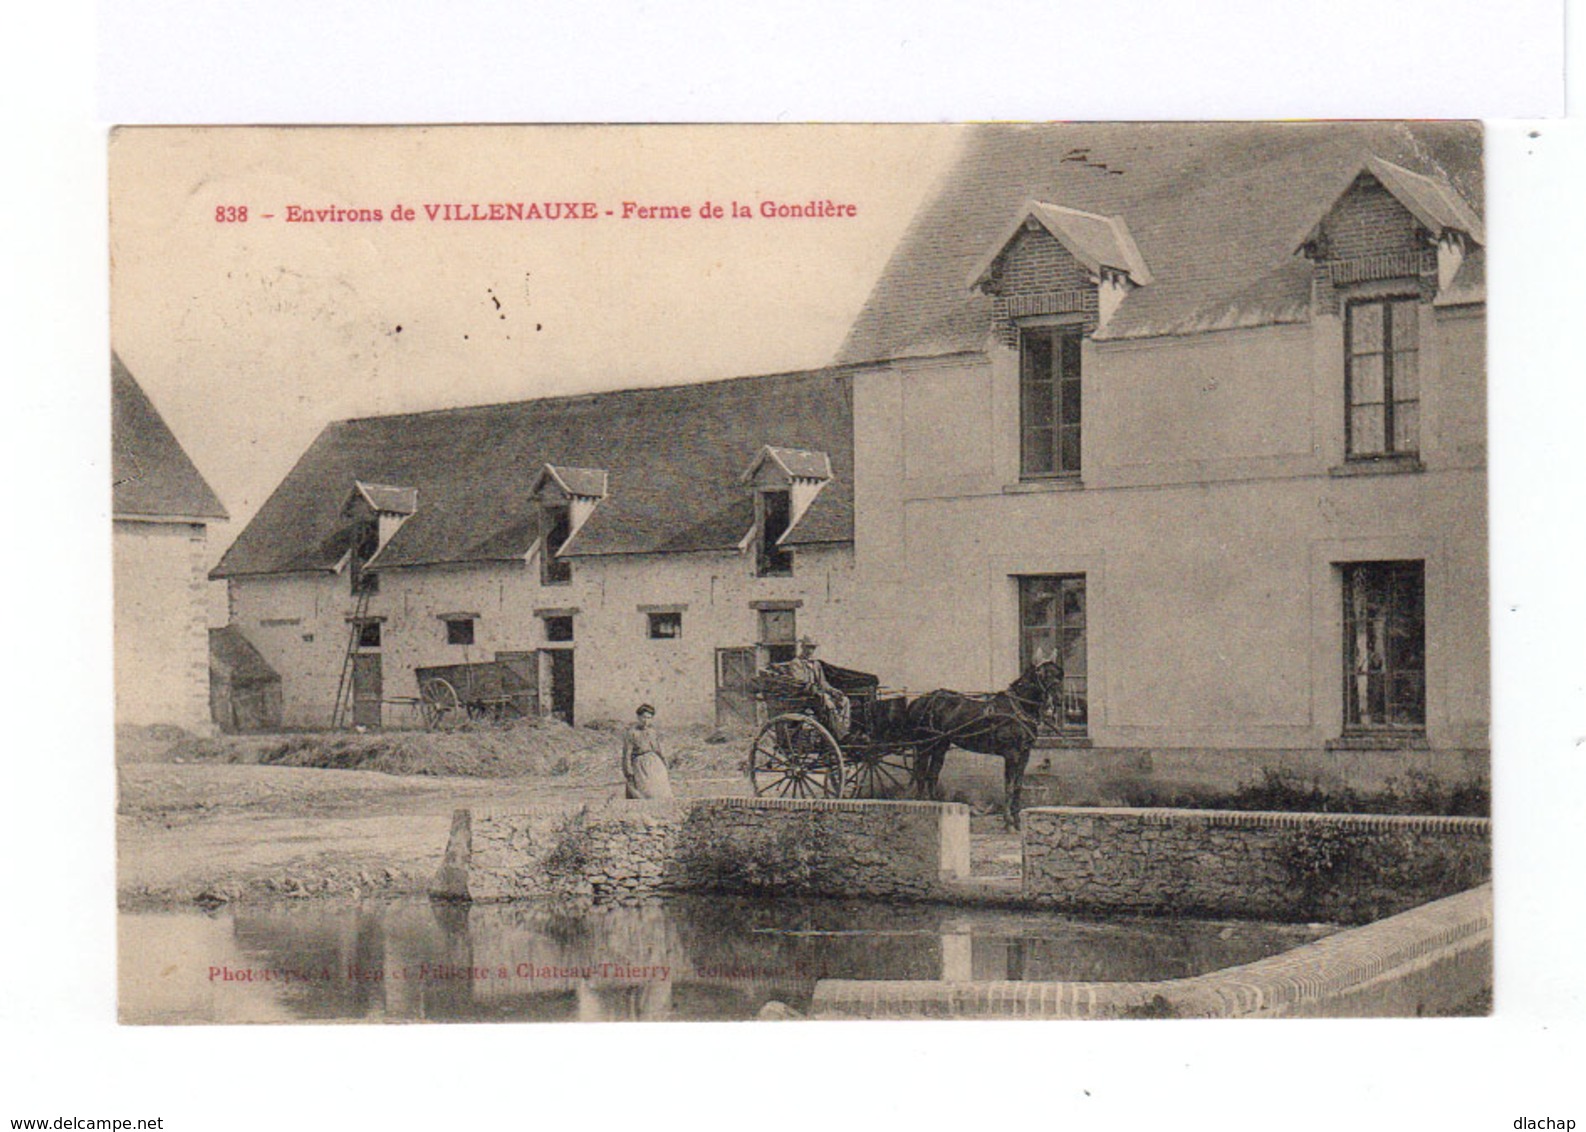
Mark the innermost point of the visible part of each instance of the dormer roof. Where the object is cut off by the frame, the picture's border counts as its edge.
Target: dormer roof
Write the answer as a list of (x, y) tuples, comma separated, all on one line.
[(1433, 202), (1098, 242), (795, 463), (582, 483), (384, 499)]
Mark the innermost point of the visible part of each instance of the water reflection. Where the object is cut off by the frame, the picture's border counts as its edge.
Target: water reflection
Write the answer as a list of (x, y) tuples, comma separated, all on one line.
[(695, 957)]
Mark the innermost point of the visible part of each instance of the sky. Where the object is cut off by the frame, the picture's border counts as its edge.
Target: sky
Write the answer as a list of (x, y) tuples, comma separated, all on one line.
[(251, 334)]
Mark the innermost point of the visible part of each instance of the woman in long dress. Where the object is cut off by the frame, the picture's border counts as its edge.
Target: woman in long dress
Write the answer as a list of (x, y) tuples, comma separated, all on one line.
[(643, 764)]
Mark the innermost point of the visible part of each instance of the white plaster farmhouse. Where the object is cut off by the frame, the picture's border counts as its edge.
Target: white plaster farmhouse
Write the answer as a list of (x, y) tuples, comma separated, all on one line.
[(160, 511)]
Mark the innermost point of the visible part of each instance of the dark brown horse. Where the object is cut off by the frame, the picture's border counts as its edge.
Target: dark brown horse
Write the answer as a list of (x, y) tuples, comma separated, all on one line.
[(1002, 723)]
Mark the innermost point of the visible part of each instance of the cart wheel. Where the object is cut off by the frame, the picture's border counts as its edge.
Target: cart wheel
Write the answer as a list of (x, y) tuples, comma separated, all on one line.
[(437, 701), (795, 757), (879, 770)]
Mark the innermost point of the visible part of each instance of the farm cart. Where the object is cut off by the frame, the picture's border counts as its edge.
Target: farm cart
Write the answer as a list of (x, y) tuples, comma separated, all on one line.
[(798, 754), (494, 689)]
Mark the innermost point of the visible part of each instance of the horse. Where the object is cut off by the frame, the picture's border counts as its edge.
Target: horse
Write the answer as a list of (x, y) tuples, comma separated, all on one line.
[(1000, 723)]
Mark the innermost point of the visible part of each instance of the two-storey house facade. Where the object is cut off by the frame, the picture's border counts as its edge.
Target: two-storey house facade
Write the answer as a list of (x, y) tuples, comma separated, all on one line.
[(1199, 410)]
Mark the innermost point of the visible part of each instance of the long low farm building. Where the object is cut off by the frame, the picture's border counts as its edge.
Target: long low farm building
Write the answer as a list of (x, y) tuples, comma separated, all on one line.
[(615, 548)]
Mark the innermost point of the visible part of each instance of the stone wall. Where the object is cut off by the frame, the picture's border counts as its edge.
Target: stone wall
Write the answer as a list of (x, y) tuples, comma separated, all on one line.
[(1343, 868), (888, 850)]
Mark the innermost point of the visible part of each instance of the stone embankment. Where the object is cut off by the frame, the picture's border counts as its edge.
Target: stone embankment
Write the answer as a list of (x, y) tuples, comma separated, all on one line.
[(881, 850)]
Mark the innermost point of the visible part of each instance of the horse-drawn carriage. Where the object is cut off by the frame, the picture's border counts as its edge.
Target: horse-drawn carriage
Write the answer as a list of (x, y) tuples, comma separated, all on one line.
[(494, 689), (891, 745), (802, 751)]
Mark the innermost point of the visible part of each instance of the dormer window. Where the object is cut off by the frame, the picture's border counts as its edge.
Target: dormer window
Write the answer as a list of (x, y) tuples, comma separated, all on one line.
[(565, 498), (1049, 400), (774, 510), (786, 482), (377, 512), (556, 524), (1391, 241)]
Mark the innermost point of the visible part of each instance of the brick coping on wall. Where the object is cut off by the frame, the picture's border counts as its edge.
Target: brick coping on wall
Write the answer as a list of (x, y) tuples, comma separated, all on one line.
[(618, 807), (1272, 819), (1355, 961)]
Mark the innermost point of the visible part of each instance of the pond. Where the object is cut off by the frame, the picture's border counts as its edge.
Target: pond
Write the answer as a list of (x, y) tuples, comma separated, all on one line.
[(708, 958)]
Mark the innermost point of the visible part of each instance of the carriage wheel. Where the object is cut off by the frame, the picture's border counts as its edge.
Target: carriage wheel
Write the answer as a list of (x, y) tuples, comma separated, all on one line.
[(437, 700), (879, 770), (795, 757)]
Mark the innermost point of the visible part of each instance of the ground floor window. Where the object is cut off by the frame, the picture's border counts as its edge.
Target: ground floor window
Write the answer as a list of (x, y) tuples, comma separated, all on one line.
[(778, 635), (1052, 626), (459, 630), (1384, 645), (559, 628)]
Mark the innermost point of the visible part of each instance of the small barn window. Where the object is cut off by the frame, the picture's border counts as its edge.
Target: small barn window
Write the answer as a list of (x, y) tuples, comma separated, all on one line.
[(665, 626), (459, 630), (369, 635), (559, 629)]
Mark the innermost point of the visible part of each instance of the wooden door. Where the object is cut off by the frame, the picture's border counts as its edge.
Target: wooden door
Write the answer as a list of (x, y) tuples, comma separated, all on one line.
[(561, 674), (520, 679), (735, 704), (366, 689)]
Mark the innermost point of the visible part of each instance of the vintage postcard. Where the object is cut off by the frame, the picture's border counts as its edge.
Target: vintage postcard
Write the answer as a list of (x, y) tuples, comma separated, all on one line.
[(801, 572)]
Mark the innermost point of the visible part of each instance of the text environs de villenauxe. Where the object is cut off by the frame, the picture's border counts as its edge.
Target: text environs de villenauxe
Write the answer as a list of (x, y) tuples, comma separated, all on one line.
[(516, 211)]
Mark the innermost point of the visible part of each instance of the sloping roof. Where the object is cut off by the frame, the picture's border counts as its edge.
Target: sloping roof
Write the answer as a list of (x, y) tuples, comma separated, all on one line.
[(1432, 201), (1096, 241), (151, 476), (1211, 208), (388, 499), (673, 456), (1469, 284), (233, 654)]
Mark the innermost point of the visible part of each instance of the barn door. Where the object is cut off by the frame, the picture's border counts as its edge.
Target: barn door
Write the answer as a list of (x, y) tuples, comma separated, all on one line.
[(366, 689), (520, 679), (735, 704), (560, 668)]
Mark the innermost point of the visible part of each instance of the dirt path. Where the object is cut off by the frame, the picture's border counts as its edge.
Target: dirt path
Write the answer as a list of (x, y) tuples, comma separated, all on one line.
[(186, 832)]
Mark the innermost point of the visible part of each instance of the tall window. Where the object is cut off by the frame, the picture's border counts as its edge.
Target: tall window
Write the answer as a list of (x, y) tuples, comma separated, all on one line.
[(776, 511), (1052, 626), (1384, 645), (1049, 401), (556, 522), (1384, 386)]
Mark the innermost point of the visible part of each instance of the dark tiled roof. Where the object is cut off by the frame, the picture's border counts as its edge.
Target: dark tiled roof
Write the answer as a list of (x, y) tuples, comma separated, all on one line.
[(674, 457), (151, 476), (1214, 210), (233, 654)]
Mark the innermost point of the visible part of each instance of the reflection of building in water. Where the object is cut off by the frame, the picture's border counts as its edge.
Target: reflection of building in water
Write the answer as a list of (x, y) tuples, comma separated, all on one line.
[(694, 957)]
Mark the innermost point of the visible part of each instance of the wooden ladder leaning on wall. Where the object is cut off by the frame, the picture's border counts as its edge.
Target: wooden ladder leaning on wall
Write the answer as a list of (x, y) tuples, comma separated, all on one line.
[(341, 714)]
